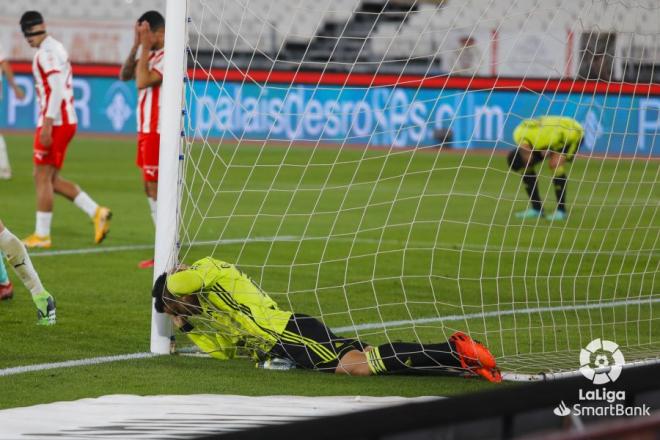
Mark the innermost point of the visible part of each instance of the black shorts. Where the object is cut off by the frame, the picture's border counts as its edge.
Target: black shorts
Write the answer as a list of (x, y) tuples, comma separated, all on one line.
[(536, 157), (312, 345)]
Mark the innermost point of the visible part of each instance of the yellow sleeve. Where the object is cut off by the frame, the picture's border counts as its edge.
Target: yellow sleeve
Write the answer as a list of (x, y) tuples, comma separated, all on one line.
[(571, 149), (524, 132), (201, 274), (185, 282), (217, 346)]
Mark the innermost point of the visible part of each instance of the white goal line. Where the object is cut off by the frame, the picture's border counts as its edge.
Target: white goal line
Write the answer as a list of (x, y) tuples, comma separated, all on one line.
[(74, 363), (369, 326)]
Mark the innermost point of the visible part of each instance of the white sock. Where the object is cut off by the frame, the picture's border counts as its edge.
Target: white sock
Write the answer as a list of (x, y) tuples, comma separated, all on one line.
[(152, 208), (85, 202), (20, 261), (5, 167), (43, 223)]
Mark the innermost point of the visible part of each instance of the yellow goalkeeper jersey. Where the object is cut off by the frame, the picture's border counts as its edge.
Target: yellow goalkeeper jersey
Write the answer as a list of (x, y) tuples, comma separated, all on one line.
[(235, 311), (555, 133)]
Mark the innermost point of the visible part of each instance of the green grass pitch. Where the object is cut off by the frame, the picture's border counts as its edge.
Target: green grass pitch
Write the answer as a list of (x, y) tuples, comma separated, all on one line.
[(359, 238)]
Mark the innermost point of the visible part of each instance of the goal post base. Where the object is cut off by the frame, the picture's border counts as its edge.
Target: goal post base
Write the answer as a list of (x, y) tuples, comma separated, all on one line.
[(540, 377)]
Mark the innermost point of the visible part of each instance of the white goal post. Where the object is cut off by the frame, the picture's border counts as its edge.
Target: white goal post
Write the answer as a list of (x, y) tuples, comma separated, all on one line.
[(170, 147), (354, 157)]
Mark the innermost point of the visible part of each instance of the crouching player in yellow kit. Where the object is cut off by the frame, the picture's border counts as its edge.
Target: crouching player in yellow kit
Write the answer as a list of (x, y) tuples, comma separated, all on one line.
[(222, 310), (554, 138)]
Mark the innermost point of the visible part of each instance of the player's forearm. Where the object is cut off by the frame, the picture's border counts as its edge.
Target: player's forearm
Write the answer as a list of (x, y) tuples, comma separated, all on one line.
[(9, 74), (142, 70), (572, 149), (127, 71), (205, 342), (211, 346), (46, 134)]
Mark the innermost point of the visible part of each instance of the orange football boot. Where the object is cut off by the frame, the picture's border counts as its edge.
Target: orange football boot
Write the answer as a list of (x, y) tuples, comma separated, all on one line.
[(146, 264), (475, 357)]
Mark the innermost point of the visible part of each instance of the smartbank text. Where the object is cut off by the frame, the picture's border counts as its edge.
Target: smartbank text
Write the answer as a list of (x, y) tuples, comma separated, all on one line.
[(616, 404)]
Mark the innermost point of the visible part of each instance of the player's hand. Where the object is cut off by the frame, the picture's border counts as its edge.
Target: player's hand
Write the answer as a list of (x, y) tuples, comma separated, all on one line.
[(178, 321), (18, 91), (144, 32), (180, 267), (46, 134)]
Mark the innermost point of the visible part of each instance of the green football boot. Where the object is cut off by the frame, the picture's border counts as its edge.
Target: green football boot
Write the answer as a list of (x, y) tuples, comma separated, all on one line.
[(45, 308), (557, 216), (529, 213)]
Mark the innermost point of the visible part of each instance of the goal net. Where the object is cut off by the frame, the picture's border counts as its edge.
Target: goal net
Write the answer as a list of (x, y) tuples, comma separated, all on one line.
[(351, 157)]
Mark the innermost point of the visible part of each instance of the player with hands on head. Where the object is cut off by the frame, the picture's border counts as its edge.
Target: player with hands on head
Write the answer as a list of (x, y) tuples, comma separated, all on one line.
[(147, 70), (224, 312), (56, 127)]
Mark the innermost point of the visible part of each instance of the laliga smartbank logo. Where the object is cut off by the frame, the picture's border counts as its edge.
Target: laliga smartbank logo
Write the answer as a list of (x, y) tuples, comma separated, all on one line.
[(595, 359), (601, 362)]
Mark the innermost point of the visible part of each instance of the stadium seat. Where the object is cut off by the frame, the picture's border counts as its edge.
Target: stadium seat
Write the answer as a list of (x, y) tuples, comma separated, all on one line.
[(266, 27)]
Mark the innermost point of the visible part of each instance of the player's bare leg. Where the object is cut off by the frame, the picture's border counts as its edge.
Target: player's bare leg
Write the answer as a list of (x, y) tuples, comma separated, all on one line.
[(523, 160), (354, 363), (556, 162), (65, 187), (19, 259), (151, 190), (5, 167), (43, 182), (49, 182), (100, 215)]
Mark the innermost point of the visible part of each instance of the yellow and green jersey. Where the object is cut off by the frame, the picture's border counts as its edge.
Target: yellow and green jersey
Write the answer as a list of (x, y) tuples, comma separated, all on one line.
[(555, 133), (235, 311)]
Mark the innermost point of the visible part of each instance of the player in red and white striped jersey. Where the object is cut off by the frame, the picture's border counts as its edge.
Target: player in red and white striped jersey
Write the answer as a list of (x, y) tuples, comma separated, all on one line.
[(56, 127), (147, 70)]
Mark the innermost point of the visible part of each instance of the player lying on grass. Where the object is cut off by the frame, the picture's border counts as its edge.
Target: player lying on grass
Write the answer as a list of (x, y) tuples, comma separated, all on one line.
[(554, 138), (222, 310), (17, 256)]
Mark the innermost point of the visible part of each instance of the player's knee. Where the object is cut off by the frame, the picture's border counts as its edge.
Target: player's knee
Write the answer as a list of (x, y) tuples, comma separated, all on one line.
[(556, 162), (42, 175), (353, 363), (151, 189), (515, 160)]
